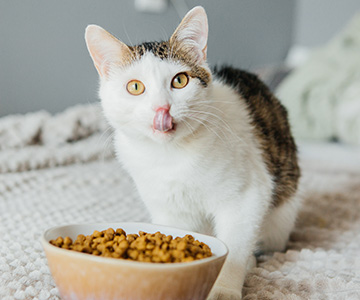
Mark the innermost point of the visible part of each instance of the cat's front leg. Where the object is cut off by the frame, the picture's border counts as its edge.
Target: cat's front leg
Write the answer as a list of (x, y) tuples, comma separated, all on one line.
[(237, 227), (222, 291), (170, 218)]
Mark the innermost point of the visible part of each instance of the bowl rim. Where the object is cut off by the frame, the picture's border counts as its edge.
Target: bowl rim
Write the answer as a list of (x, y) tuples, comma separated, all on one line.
[(135, 264)]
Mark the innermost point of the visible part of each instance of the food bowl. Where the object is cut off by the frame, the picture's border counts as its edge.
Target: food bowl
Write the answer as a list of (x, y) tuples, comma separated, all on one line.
[(85, 276)]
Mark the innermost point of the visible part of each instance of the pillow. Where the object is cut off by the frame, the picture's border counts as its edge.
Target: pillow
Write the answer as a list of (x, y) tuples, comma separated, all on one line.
[(323, 95)]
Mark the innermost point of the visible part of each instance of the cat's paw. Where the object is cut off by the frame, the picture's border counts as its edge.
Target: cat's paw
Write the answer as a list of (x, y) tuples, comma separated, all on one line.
[(223, 293)]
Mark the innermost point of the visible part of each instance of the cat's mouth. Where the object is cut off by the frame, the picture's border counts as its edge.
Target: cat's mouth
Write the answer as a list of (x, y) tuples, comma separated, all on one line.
[(163, 121)]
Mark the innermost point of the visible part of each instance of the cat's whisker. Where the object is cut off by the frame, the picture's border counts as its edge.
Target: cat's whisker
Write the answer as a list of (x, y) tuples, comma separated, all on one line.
[(207, 113), (227, 125), (105, 132), (209, 128), (216, 126), (130, 43), (105, 135), (200, 104), (164, 33), (191, 128), (215, 122), (211, 101), (212, 119), (107, 143)]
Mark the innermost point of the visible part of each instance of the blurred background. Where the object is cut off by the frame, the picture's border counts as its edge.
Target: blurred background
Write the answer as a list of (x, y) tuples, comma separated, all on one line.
[(44, 63)]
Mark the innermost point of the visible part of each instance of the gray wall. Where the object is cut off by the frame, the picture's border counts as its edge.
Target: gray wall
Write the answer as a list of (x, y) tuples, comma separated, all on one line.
[(317, 21), (44, 63)]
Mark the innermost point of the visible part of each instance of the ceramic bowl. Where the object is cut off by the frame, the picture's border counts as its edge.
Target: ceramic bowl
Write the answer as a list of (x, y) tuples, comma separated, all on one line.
[(84, 276)]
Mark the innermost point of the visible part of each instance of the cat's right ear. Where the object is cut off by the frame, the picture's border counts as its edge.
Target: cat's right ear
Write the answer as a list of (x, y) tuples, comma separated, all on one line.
[(192, 34), (105, 50)]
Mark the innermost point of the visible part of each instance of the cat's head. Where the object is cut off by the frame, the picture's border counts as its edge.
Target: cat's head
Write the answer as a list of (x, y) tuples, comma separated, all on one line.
[(154, 89)]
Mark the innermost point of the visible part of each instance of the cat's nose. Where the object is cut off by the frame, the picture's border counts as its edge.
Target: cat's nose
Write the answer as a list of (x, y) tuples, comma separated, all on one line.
[(163, 121)]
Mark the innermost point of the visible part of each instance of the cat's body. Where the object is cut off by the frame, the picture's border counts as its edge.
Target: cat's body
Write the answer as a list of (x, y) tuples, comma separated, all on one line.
[(209, 152)]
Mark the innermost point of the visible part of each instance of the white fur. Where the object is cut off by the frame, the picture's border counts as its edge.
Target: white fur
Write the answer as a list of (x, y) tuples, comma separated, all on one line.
[(208, 175), (212, 180)]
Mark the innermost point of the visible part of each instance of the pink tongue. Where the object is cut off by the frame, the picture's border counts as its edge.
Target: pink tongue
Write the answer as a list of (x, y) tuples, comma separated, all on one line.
[(163, 120)]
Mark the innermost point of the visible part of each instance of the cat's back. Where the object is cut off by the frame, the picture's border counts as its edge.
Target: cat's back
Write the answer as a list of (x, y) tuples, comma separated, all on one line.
[(270, 127)]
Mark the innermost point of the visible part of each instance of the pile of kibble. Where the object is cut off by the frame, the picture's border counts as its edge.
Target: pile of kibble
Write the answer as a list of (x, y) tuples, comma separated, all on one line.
[(145, 247)]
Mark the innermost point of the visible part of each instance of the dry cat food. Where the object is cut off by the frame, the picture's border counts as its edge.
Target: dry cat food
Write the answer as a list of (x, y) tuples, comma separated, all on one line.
[(145, 247)]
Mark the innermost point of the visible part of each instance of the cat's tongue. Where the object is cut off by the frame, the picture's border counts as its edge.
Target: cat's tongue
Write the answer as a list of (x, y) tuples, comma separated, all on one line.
[(163, 120)]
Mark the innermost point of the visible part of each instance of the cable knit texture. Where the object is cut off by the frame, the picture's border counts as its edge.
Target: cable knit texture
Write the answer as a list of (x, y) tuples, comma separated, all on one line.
[(61, 169)]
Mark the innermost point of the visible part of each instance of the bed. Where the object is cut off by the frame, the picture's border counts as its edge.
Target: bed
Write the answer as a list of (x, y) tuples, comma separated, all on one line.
[(60, 169)]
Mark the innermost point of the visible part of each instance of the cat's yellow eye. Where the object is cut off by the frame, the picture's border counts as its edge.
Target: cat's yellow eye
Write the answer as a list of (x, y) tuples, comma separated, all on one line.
[(180, 81), (135, 87)]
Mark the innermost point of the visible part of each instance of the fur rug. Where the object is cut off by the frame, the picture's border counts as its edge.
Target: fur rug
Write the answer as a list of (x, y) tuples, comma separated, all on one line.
[(60, 169)]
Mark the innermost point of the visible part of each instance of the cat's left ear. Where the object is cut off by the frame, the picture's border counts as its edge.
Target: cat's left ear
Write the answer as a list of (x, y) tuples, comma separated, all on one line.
[(192, 34)]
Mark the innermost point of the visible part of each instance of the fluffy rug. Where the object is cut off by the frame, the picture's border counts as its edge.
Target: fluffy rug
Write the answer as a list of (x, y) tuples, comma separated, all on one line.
[(60, 169)]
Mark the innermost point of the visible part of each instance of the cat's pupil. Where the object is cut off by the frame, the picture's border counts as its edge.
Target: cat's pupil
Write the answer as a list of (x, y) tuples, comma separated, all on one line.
[(136, 86), (178, 79)]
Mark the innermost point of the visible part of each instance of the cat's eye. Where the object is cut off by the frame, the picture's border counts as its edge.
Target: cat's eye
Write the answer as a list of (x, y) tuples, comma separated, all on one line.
[(180, 81), (135, 87)]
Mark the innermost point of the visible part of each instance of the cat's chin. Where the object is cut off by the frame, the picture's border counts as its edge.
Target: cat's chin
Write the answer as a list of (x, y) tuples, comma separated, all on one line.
[(163, 136)]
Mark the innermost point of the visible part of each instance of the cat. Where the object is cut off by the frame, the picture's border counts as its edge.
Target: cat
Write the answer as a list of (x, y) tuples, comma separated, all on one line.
[(209, 151)]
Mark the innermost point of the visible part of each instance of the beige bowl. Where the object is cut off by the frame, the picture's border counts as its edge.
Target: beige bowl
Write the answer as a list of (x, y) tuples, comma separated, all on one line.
[(84, 276)]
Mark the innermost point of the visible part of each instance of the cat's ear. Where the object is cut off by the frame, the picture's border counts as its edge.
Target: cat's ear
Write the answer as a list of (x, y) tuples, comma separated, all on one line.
[(193, 33), (105, 50)]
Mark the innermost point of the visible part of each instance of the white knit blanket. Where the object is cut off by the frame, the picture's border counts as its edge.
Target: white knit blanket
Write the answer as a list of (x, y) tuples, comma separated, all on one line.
[(60, 169), (322, 96)]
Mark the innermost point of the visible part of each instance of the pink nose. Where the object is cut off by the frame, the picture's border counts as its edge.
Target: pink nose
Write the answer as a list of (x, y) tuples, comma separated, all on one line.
[(163, 121)]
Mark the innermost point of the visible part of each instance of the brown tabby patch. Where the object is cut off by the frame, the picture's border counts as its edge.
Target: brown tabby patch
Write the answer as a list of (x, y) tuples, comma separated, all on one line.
[(272, 129), (174, 51)]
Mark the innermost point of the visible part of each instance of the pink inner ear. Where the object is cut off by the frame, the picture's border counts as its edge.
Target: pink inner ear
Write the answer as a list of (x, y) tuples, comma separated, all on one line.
[(200, 44), (98, 60), (203, 43), (101, 57), (193, 31), (104, 49), (202, 38)]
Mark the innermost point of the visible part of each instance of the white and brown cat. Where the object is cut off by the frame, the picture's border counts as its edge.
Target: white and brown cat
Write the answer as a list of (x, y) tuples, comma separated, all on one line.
[(210, 152)]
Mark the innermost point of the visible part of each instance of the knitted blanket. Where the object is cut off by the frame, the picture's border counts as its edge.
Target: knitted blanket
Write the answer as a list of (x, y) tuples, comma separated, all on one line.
[(322, 96), (61, 169)]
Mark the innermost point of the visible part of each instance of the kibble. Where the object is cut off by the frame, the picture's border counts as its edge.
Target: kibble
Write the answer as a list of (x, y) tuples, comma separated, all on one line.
[(145, 247)]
